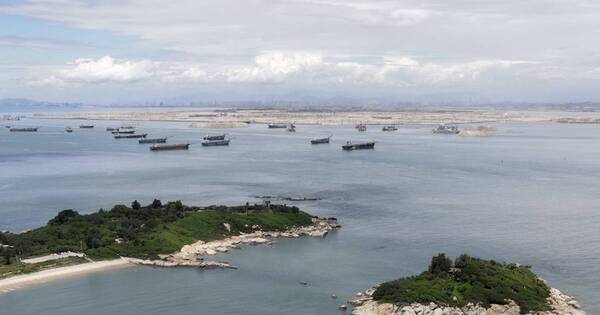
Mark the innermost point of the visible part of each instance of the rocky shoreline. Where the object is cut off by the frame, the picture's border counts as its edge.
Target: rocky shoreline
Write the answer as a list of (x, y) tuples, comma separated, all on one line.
[(364, 304), (193, 255)]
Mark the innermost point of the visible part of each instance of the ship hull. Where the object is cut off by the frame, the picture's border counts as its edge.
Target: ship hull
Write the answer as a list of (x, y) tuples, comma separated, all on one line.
[(213, 138), (215, 143), (23, 129), (157, 140), (319, 141), (358, 146), (143, 135), (168, 147)]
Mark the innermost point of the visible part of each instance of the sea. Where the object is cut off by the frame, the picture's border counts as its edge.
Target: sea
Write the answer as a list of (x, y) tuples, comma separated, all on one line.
[(530, 195)]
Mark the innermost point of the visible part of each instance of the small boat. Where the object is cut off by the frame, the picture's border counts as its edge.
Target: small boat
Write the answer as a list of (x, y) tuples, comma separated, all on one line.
[(119, 131), (389, 128), (69, 129), (361, 127), (320, 140), (214, 137), (86, 126), (131, 136), (24, 129), (443, 129), (111, 129), (277, 126), (165, 147), (291, 128), (349, 146), (211, 143), (127, 127), (152, 140), (7, 126)]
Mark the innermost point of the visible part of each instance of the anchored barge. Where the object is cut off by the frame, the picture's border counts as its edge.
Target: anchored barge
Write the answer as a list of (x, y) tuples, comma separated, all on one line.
[(443, 129), (131, 136), (119, 131), (86, 126), (349, 146), (24, 129), (277, 126), (165, 147), (389, 128), (320, 140), (210, 143), (214, 137), (153, 140)]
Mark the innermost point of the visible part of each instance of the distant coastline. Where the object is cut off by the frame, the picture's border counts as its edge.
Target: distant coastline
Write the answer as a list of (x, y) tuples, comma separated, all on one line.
[(241, 117)]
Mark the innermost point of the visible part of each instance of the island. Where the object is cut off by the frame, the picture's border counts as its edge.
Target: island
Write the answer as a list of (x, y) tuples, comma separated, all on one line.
[(167, 235), (467, 285)]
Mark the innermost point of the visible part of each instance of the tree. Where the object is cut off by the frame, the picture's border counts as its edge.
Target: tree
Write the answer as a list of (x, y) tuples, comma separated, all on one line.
[(64, 216), (135, 205), (156, 204), (439, 264), (93, 238)]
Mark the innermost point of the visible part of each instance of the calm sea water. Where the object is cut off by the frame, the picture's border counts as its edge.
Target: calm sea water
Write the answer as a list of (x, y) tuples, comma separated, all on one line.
[(531, 195)]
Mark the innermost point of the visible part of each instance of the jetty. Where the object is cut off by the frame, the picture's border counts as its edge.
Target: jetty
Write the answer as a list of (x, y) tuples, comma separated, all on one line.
[(166, 147), (130, 136), (211, 143), (349, 146), (152, 140), (35, 129)]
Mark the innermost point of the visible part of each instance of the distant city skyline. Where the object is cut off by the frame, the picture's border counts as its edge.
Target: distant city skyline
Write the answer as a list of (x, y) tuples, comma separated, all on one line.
[(434, 51)]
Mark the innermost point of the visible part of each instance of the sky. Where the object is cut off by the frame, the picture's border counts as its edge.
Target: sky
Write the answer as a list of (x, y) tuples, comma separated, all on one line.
[(427, 51)]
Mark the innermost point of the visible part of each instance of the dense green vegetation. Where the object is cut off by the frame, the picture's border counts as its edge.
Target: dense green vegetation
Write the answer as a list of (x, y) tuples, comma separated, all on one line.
[(468, 280), (144, 231)]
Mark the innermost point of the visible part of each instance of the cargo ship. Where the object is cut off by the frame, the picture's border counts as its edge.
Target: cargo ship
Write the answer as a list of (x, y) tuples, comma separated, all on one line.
[(131, 136), (24, 129), (210, 143), (152, 140), (320, 140), (86, 126), (119, 131), (443, 129), (165, 147), (214, 137), (349, 146), (389, 128), (277, 126)]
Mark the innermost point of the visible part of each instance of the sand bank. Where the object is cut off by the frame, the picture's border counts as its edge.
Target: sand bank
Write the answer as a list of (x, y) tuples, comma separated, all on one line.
[(12, 283)]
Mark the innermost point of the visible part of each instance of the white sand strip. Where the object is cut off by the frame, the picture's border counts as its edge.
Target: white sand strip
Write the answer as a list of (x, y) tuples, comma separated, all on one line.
[(9, 284)]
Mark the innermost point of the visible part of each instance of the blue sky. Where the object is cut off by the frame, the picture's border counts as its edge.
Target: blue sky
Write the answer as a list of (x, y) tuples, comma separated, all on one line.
[(133, 51)]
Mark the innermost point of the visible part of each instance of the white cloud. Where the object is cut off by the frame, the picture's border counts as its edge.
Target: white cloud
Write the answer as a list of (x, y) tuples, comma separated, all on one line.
[(108, 69), (303, 68)]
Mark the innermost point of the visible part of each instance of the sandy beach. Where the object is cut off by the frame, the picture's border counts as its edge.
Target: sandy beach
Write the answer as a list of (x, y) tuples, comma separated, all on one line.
[(12, 283)]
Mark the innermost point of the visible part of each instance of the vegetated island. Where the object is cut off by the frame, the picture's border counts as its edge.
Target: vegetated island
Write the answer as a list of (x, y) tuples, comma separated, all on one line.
[(469, 286), (166, 235)]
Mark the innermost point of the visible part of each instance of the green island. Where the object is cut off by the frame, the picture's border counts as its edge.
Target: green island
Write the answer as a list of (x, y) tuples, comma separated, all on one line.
[(468, 280), (137, 231)]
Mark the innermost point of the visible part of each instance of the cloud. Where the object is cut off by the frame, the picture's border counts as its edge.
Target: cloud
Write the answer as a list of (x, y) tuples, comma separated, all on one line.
[(302, 68)]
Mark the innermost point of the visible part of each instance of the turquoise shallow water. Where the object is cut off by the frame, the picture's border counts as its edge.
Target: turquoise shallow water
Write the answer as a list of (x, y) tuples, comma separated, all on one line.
[(529, 195)]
